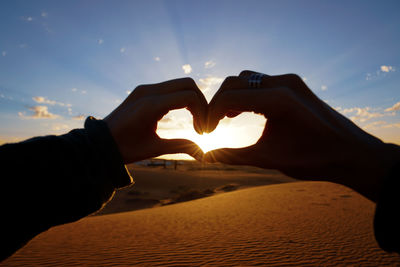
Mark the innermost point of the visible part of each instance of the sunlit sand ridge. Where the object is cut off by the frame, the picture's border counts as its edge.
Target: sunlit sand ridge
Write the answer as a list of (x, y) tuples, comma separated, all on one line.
[(293, 223), (156, 186)]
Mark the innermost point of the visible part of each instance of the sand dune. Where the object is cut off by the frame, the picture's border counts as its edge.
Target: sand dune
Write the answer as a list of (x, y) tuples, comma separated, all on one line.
[(155, 186), (294, 223)]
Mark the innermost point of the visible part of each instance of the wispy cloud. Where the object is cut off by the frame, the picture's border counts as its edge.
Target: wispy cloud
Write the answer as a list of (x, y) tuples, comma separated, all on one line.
[(157, 58), (381, 125), (39, 112), (122, 50), (209, 64), (44, 14), (385, 68), (44, 100), (76, 90), (364, 114), (395, 107), (374, 125), (324, 87), (392, 125), (8, 97), (27, 18), (100, 41), (4, 53), (187, 68), (60, 127), (360, 114), (47, 28), (79, 117)]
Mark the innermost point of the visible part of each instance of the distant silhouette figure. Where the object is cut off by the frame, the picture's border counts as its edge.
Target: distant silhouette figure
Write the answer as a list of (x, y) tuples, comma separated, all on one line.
[(59, 179)]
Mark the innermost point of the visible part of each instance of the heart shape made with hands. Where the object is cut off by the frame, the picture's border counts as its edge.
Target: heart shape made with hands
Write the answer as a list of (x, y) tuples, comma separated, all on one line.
[(240, 131)]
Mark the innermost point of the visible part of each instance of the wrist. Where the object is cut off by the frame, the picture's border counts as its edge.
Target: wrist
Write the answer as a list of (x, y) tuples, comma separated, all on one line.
[(113, 129), (107, 153)]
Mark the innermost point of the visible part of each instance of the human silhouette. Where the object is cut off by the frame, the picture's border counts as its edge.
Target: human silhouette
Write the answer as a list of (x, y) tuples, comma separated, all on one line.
[(52, 180), (307, 139)]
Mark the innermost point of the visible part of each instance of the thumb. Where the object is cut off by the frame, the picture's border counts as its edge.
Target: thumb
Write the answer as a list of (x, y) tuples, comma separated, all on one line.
[(173, 146), (238, 156)]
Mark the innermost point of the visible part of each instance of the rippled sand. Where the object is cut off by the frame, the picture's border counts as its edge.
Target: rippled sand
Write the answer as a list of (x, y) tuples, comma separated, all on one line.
[(295, 223)]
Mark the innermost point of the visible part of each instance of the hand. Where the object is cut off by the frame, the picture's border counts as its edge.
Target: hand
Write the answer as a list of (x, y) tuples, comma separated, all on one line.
[(303, 136), (133, 124)]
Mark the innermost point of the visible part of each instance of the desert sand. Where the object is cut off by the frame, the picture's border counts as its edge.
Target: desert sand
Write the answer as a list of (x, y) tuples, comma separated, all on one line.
[(157, 186), (298, 223)]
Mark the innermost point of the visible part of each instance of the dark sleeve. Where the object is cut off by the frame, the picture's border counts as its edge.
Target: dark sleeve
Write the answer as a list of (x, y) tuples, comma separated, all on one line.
[(387, 220), (52, 180)]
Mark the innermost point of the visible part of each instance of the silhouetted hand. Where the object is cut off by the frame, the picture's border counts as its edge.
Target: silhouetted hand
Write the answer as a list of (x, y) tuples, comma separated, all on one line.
[(133, 124), (303, 137)]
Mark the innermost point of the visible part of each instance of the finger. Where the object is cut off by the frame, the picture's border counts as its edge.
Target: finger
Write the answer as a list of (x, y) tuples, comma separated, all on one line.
[(230, 83), (173, 146), (240, 82), (182, 99), (233, 83), (248, 73), (165, 88), (237, 156), (172, 86), (292, 81), (296, 84), (270, 102)]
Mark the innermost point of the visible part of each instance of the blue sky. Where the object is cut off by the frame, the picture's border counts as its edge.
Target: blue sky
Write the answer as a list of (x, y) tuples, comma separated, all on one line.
[(63, 60)]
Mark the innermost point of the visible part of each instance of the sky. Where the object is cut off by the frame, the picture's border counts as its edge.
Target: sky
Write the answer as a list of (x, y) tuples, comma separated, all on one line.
[(61, 61)]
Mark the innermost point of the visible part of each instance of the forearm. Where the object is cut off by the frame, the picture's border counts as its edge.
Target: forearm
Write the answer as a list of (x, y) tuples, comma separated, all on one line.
[(364, 171), (386, 221), (378, 178), (57, 179)]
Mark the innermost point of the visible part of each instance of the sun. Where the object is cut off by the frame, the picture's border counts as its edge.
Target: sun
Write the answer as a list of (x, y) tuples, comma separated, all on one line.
[(221, 137), (241, 131)]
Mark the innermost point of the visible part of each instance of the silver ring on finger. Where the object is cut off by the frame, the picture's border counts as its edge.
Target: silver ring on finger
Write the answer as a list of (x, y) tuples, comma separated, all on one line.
[(255, 80)]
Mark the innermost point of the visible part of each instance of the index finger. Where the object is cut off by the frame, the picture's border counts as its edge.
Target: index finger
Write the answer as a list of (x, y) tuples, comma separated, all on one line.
[(271, 102), (162, 104), (166, 88), (175, 86)]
